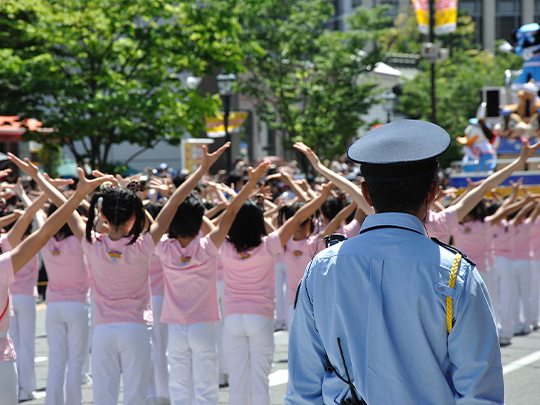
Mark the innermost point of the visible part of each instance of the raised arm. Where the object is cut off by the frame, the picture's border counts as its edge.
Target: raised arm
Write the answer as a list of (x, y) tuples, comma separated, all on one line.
[(467, 203), (287, 230), (17, 231), (48, 186), (340, 181), (29, 247), (338, 219), (219, 234), (165, 216)]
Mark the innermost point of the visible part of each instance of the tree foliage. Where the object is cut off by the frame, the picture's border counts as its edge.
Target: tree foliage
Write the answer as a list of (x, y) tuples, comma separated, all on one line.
[(103, 72), (308, 79)]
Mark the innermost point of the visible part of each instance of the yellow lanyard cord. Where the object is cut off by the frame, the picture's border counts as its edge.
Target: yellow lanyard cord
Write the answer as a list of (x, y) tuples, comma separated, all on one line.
[(451, 284)]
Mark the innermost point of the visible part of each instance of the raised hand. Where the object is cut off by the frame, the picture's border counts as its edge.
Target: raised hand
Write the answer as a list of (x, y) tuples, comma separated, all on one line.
[(25, 165), (528, 150), (210, 158), (58, 182), (256, 174), (86, 185), (306, 150)]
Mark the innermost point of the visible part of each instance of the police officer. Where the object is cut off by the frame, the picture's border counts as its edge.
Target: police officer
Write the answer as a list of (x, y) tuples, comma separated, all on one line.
[(391, 316)]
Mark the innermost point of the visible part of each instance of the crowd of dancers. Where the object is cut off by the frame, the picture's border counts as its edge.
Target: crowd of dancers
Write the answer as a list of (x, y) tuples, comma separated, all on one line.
[(177, 284)]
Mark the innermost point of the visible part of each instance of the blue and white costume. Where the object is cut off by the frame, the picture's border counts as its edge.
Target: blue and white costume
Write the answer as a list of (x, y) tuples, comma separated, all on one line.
[(383, 294)]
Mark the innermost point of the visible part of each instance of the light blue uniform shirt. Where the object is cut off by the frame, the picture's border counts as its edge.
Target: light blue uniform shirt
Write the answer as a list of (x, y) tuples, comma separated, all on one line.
[(383, 293)]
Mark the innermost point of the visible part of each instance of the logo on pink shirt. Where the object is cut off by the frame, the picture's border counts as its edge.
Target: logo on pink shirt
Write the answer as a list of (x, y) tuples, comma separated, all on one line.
[(245, 255), (115, 255), (185, 259), (297, 253), (56, 252)]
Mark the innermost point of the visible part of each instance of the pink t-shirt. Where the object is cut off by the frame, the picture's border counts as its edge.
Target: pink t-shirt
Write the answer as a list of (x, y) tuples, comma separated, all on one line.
[(298, 253), (157, 283), (502, 240), (7, 352), (522, 241), (66, 271), (351, 229), (474, 239), (120, 278), (441, 225), (249, 277), (25, 282), (190, 281)]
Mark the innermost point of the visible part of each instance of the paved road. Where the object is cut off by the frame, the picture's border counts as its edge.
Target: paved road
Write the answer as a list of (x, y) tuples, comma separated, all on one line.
[(521, 362)]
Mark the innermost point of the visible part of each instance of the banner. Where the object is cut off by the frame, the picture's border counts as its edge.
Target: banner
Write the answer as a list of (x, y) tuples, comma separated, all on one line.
[(421, 8), (215, 127), (445, 15)]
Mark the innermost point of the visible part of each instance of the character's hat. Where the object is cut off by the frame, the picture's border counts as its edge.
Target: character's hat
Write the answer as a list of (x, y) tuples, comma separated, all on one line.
[(400, 150)]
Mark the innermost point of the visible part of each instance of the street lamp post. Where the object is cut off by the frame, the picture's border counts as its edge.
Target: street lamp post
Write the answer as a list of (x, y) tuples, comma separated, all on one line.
[(224, 85), (388, 104)]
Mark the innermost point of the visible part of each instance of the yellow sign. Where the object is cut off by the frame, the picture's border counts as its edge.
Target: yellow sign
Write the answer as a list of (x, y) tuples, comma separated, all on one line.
[(193, 153), (215, 127), (445, 15)]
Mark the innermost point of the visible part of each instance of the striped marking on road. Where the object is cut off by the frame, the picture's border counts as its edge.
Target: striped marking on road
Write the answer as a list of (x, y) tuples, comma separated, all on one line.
[(523, 362), (40, 359)]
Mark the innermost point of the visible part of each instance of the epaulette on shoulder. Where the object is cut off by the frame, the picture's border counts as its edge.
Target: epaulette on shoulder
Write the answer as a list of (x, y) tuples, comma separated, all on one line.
[(454, 251)]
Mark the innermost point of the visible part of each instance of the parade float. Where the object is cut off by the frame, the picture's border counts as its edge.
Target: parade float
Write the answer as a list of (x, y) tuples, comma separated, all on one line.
[(507, 115)]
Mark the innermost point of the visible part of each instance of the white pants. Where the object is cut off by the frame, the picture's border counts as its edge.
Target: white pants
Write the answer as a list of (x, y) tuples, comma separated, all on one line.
[(192, 356), (67, 325), (282, 293), (9, 392), (522, 309), (91, 312), (22, 329), (507, 293), (121, 348), (248, 341), (159, 381), (290, 314), (222, 364), (535, 291)]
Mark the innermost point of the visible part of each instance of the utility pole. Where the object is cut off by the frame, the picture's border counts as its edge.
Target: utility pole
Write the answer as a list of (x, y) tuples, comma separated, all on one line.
[(432, 40)]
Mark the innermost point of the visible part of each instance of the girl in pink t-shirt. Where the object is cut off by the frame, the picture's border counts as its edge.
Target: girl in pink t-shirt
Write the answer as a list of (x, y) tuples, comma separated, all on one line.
[(12, 261), (119, 261), (248, 257), (67, 321), (191, 307)]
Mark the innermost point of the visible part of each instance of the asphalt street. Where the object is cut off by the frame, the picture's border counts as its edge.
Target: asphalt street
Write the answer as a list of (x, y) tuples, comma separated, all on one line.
[(521, 362)]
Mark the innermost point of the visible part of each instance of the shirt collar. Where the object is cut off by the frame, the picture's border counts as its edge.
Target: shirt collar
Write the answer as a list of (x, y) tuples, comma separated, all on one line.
[(397, 219)]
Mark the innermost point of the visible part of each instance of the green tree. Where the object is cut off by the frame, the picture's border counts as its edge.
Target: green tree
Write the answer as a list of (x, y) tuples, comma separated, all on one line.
[(309, 80), (104, 72)]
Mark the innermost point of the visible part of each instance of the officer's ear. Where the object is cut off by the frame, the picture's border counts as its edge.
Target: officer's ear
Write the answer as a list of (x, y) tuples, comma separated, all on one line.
[(365, 193)]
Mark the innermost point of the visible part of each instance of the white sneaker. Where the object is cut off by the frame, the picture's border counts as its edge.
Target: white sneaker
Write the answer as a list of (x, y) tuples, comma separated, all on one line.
[(25, 396), (86, 379)]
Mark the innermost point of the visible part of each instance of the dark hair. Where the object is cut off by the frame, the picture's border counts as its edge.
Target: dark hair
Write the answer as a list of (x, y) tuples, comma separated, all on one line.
[(400, 196), (188, 218), (480, 211), (153, 208), (118, 205), (248, 227), (331, 207), (63, 232), (288, 211)]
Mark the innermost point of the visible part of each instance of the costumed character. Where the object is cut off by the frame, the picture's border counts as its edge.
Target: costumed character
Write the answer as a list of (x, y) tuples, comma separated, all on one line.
[(479, 155), (527, 45), (511, 125), (528, 102)]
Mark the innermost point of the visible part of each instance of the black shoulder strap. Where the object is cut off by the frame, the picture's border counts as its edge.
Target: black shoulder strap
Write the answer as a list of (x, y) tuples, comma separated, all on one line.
[(454, 250)]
